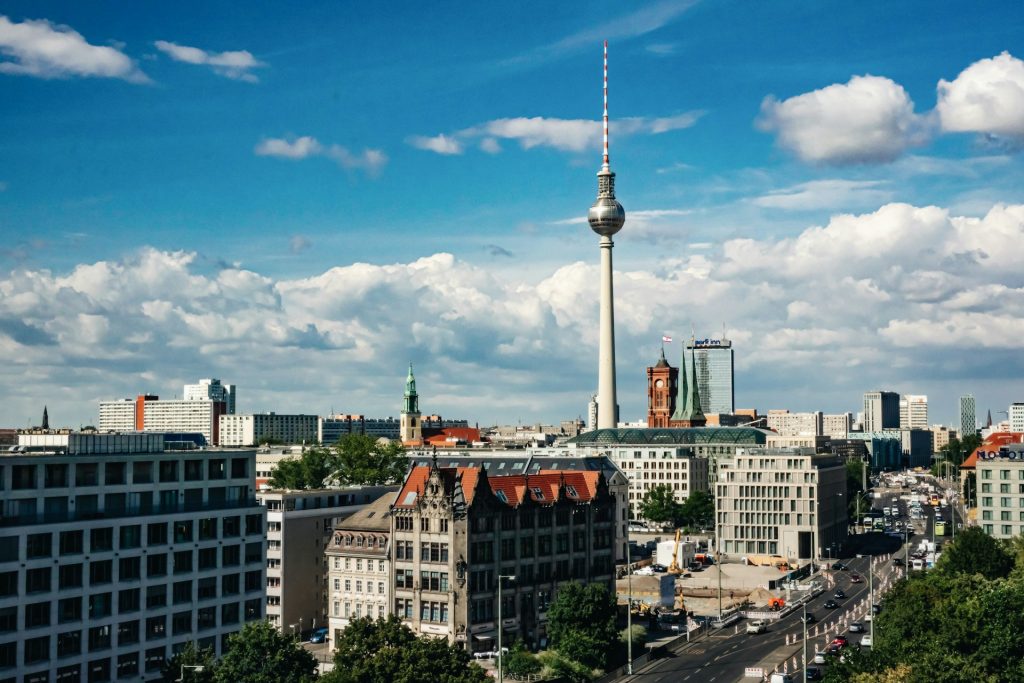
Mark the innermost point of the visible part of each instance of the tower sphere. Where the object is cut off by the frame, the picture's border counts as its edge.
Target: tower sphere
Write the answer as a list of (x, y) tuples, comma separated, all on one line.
[(606, 216)]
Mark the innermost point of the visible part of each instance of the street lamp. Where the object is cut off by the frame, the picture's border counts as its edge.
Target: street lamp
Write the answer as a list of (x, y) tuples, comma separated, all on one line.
[(629, 599), (501, 626), (193, 667), (805, 640), (292, 627)]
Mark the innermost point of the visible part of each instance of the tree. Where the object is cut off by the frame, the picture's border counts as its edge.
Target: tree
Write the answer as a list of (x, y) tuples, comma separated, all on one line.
[(698, 509), (259, 653), (386, 651), (971, 489), (519, 664), (563, 668), (975, 552), (660, 506), (360, 460), (638, 634), (581, 623), (189, 656)]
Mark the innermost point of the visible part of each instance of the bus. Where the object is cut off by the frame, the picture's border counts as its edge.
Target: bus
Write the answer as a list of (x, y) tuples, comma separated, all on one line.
[(940, 528)]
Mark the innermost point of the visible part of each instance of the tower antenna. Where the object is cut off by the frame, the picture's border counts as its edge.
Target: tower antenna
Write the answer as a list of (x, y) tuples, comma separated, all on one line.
[(605, 164)]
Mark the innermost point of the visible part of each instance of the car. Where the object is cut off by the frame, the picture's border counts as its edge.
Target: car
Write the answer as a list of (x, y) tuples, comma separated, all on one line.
[(319, 635), (857, 627), (821, 657), (841, 641), (813, 673), (808, 618), (759, 626), (838, 566), (834, 650), (866, 641), (659, 567), (840, 595), (855, 578), (831, 604), (695, 567), (897, 562), (875, 609), (644, 571)]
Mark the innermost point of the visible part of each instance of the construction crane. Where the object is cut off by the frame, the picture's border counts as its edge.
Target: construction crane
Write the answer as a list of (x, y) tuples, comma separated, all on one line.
[(673, 567)]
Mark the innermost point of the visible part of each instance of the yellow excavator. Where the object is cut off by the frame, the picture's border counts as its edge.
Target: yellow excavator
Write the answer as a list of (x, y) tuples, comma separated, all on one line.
[(673, 567)]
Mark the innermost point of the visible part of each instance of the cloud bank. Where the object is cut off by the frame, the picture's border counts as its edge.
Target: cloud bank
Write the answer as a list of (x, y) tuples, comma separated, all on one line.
[(236, 64), (369, 160)]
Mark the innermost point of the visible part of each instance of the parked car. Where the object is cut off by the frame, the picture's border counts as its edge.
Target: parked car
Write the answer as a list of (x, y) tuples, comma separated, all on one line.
[(820, 657), (840, 594), (856, 627), (813, 673), (695, 567), (897, 561), (855, 578), (644, 571), (866, 641), (659, 567), (839, 566), (831, 604), (841, 641), (875, 609), (319, 635)]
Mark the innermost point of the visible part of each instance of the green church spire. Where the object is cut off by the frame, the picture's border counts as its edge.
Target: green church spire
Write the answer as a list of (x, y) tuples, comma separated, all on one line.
[(411, 404)]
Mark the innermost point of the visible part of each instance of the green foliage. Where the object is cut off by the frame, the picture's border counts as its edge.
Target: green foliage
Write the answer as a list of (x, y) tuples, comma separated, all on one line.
[(963, 621), (386, 651), (971, 489), (660, 506), (957, 450), (558, 666), (360, 460), (975, 552), (581, 623), (698, 509), (638, 634), (190, 656), (357, 459), (259, 653), (519, 663)]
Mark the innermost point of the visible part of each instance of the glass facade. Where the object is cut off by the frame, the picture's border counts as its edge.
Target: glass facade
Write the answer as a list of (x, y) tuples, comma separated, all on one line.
[(713, 368)]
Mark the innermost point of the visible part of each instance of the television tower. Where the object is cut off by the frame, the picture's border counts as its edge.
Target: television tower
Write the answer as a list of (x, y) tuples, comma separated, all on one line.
[(606, 218)]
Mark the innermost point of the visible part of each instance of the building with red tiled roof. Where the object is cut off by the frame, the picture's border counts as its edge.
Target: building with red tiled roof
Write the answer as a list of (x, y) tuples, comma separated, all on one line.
[(455, 530)]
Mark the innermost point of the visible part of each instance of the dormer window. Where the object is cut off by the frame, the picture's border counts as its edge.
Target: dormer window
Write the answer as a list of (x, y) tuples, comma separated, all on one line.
[(571, 490), (501, 496), (537, 493)]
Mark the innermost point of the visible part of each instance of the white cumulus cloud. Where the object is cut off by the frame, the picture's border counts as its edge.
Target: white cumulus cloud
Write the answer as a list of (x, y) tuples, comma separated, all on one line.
[(986, 97), (868, 119), (442, 144), (832, 193), (46, 50), (234, 64), (371, 161)]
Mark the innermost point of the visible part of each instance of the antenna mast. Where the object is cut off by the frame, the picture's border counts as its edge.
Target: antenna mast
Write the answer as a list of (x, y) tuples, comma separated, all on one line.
[(605, 165)]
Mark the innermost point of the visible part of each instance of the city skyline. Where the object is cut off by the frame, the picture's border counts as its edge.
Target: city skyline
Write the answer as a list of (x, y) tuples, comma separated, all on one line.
[(305, 202)]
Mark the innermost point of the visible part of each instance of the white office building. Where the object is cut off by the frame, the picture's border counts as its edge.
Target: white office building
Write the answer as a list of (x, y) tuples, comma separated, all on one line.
[(913, 412), (117, 415), (116, 552), (786, 423), (212, 390), (1016, 418), (785, 502), (837, 426), (251, 430)]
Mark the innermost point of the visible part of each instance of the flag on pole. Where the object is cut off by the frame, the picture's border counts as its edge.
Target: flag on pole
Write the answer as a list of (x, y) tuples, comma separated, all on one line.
[(666, 340)]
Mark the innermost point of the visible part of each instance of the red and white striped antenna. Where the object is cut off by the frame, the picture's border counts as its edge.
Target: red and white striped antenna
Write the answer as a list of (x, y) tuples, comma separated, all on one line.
[(605, 162)]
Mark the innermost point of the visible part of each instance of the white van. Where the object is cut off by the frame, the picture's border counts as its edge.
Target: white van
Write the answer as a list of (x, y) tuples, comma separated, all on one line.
[(759, 626), (780, 678)]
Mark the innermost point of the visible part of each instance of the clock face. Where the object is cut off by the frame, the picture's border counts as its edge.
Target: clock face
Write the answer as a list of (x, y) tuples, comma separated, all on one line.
[(659, 383)]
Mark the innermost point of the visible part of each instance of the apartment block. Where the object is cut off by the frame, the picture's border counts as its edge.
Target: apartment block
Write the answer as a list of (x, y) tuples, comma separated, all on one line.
[(837, 426), (457, 532), (251, 430), (786, 423), (1000, 473), (115, 552), (299, 529), (359, 566)]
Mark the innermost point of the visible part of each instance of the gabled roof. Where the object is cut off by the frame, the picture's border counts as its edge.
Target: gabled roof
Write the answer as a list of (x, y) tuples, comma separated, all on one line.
[(544, 488)]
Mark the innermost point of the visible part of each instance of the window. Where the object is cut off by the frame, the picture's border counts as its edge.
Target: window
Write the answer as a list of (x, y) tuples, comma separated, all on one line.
[(230, 556), (208, 588), (131, 536), (8, 584), (101, 540), (39, 545), (425, 524), (37, 614), (69, 643), (8, 619), (183, 531), (254, 552), (207, 618), (156, 565), (239, 468), (182, 592), (156, 627), (55, 476), (253, 581), (128, 665), (215, 469), (230, 584), (37, 580), (168, 471), (69, 609), (156, 596), (207, 558), (253, 523), (23, 477), (99, 638), (253, 610), (229, 613), (37, 649), (142, 472), (99, 605), (208, 529), (193, 470), (87, 474), (114, 474), (155, 658), (128, 600), (156, 533), (231, 527), (100, 572), (182, 561)]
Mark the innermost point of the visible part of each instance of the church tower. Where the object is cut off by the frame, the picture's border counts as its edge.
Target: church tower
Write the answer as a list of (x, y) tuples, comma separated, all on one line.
[(410, 427), (688, 412), (661, 385)]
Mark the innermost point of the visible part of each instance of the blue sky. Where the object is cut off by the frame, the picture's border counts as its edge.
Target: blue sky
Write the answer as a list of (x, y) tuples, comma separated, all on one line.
[(302, 199)]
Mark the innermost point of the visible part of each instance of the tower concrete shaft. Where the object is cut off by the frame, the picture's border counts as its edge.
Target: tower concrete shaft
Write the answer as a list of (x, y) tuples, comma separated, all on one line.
[(607, 401)]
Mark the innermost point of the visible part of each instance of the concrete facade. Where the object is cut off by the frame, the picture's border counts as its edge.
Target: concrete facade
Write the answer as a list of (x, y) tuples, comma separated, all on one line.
[(251, 430), (786, 423)]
